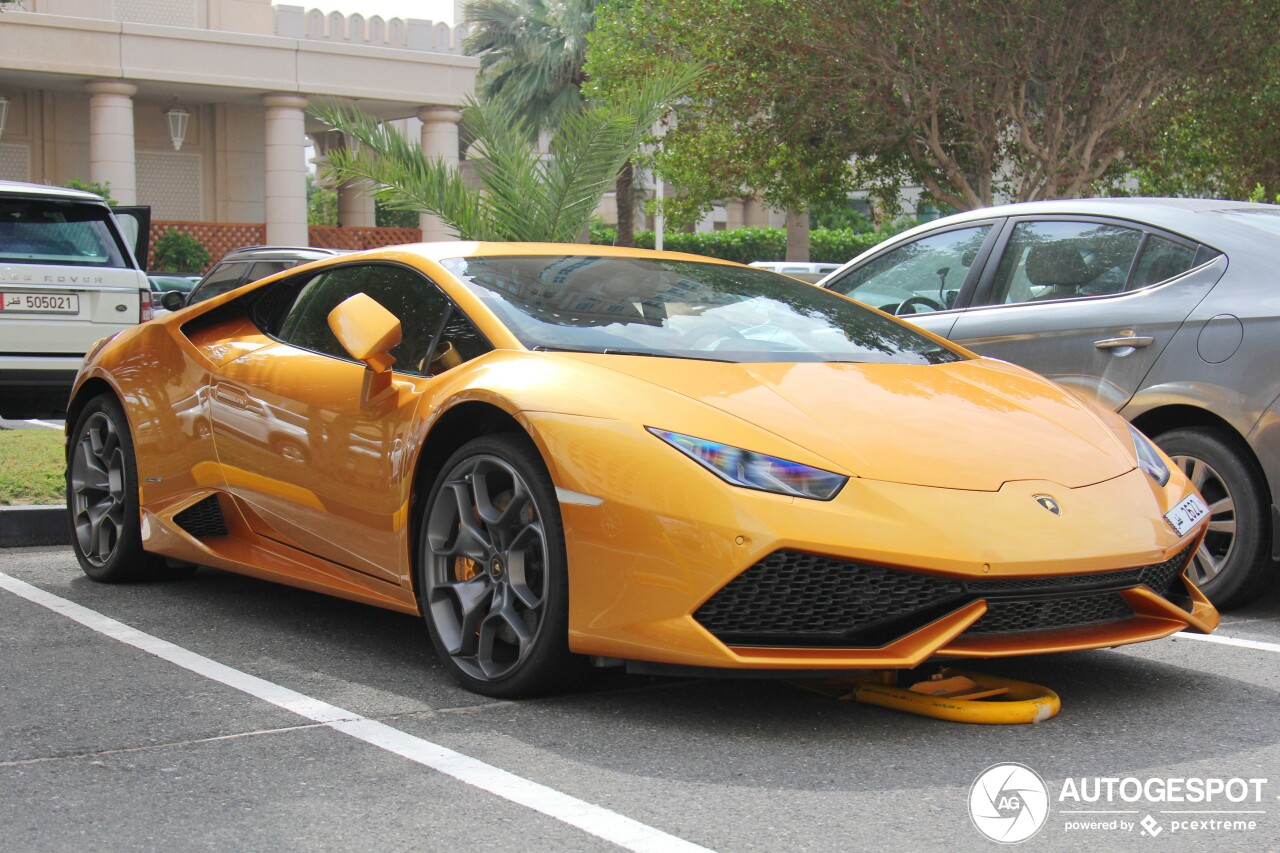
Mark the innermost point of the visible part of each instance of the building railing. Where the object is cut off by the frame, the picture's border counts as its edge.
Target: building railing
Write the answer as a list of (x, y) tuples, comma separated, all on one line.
[(219, 238), (402, 34)]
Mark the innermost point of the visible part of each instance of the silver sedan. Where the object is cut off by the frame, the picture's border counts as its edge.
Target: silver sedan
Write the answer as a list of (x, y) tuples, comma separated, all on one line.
[(1164, 310)]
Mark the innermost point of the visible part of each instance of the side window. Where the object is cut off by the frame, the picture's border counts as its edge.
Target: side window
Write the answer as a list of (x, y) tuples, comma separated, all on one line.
[(416, 302), (459, 341), (223, 278), (1063, 260), (1161, 260), (262, 269), (922, 276)]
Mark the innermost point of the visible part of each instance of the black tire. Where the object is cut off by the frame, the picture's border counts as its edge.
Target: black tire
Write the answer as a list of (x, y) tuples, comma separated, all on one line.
[(102, 498), (492, 576), (1233, 565)]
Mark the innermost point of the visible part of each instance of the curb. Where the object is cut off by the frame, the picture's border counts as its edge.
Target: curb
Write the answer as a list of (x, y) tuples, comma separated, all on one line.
[(25, 526)]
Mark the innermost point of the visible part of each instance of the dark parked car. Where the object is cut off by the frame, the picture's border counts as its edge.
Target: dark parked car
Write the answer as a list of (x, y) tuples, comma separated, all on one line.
[(1164, 310), (245, 265)]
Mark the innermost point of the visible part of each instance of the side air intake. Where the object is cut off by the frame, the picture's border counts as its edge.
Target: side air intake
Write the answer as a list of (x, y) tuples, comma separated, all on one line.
[(203, 519)]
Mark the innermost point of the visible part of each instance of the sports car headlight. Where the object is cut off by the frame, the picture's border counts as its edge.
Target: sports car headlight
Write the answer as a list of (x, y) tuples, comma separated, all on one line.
[(1149, 458), (753, 470)]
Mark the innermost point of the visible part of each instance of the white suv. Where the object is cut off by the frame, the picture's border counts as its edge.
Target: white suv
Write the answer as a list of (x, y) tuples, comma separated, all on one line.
[(68, 276)]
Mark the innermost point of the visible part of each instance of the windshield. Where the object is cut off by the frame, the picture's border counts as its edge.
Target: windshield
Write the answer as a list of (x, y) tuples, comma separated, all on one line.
[(57, 232), (684, 309)]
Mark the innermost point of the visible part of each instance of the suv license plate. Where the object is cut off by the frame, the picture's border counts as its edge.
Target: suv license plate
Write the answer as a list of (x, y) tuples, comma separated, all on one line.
[(39, 303), (1189, 512)]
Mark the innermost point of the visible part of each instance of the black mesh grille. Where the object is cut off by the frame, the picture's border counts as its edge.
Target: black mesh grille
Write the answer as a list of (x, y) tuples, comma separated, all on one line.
[(203, 519), (796, 599), (792, 595), (1010, 617)]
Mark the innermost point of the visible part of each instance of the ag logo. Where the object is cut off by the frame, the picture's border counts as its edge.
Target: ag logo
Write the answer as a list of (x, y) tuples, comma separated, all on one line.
[(1008, 803), (1048, 503)]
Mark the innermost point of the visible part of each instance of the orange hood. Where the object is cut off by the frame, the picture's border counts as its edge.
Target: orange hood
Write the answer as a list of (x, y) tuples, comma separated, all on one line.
[(967, 425)]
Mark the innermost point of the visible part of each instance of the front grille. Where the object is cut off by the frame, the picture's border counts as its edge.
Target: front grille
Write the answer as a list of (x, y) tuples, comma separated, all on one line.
[(791, 598), (791, 595), (203, 519), (1011, 617)]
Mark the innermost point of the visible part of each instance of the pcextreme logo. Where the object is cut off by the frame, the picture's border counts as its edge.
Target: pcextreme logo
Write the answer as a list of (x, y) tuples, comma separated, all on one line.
[(1010, 802)]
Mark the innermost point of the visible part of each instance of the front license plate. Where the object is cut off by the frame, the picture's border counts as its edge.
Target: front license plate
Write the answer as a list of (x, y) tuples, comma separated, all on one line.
[(1187, 514), (40, 303)]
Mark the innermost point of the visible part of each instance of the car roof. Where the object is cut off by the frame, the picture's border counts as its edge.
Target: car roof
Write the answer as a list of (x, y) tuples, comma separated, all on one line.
[(438, 252), (1199, 219), (310, 253), (22, 188)]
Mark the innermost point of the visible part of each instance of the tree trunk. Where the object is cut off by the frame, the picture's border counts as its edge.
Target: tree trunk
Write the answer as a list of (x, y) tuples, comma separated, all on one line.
[(626, 206), (798, 235)]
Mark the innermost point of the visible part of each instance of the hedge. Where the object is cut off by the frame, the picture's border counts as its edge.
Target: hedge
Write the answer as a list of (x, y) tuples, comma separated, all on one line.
[(744, 245)]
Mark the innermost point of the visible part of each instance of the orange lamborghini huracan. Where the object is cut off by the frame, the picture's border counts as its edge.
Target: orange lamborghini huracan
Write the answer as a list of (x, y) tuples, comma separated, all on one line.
[(566, 455)]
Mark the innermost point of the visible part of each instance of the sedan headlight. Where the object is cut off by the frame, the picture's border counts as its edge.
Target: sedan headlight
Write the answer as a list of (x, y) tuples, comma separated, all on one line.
[(1149, 458), (753, 470)]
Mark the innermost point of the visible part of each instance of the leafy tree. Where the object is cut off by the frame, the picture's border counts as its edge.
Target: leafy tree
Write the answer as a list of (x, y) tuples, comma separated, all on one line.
[(973, 99), (522, 195), (97, 188), (322, 204), (178, 251)]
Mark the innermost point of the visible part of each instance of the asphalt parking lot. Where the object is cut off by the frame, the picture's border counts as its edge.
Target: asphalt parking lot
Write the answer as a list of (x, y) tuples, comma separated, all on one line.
[(284, 720)]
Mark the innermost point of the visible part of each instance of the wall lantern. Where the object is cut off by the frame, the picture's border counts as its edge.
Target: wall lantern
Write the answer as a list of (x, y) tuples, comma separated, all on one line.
[(177, 126), (4, 112)]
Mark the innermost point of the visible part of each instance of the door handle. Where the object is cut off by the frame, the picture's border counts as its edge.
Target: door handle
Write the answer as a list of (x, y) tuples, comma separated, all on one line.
[(231, 395), (1131, 341)]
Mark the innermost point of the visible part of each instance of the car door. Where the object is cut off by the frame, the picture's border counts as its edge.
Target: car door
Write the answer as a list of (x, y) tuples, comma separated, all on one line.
[(925, 280), (322, 469), (1087, 302)]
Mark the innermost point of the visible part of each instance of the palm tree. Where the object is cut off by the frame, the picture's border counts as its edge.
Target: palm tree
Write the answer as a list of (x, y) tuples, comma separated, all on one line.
[(532, 52), (523, 195)]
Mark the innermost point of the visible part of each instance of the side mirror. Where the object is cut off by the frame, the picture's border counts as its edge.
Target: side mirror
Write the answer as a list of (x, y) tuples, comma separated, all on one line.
[(172, 300), (368, 331)]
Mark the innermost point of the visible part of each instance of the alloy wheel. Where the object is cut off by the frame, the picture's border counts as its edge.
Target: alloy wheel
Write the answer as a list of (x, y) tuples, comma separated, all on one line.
[(1215, 550), (98, 489), (486, 586)]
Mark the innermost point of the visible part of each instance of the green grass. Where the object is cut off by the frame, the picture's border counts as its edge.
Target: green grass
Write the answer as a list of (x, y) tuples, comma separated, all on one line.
[(31, 465)]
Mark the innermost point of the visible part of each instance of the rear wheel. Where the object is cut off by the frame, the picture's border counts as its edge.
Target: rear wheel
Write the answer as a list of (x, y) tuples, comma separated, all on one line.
[(102, 497), (492, 572), (1232, 565)]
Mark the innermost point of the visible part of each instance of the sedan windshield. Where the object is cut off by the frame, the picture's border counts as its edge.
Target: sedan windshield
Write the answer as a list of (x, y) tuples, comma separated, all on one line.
[(684, 309)]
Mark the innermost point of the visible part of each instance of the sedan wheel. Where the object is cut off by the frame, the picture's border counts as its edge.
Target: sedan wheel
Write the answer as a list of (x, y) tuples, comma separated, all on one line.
[(1231, 566), (492, 571)]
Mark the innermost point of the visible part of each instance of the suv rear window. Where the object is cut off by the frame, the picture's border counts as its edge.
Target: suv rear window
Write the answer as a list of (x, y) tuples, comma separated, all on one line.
[(57, 232)]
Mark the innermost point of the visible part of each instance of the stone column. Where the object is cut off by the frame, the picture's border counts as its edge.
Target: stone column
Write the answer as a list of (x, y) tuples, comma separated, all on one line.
[(111, 152), (286, 167), (355, 205), (439, 140)]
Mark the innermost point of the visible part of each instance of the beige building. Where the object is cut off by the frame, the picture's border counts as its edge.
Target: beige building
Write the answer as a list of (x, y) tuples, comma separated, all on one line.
[(199, 107)]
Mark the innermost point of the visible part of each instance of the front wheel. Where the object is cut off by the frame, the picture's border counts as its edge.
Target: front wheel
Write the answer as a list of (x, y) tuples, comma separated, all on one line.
[(492, 572), (1232, 565)]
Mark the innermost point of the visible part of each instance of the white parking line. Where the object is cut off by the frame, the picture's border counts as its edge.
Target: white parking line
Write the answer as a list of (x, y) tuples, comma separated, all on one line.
[(1230, 641), (44, 424), (600, 822)]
